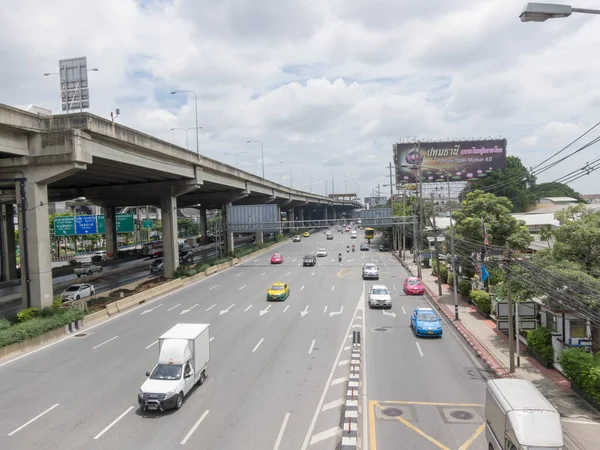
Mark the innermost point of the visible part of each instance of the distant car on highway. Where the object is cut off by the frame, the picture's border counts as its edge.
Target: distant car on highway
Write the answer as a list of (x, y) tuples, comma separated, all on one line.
[(364, 247), (186, 256), (425, 322), (321, 253), (157, 265), (384, 248), (297, 238), (306, 234), (413, 286), (87, 269), (370, 271), (277, 259), (309, 260), (77, 292), (379, 296), (278, 291), (330, 236)]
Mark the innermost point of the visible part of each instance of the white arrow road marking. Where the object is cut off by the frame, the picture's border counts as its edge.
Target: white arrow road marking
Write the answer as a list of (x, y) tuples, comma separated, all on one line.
[(223, 311), (151, 309), (385, 313), (173, 307), (336, 313), (210, 307), (264, 311), (185, 311), (305, 312), (248, 308)]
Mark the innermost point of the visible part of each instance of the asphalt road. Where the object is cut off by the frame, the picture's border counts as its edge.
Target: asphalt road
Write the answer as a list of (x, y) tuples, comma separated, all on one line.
[(115, 276), (277, 376), (422, 393)]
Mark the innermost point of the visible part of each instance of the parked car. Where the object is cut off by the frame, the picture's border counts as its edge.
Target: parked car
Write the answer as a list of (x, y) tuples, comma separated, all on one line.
[(77, 292), (309, 260), (87, 269)]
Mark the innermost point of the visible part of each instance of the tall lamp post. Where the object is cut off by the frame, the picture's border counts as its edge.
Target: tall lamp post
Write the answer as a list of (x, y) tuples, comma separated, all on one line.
[(187, 138), (454, 280), (196, 104), (284, 162), (540, 12), (262, 157), (236, 156)]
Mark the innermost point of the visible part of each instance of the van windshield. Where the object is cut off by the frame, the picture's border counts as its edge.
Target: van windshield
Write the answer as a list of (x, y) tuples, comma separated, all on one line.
[(166, 372)]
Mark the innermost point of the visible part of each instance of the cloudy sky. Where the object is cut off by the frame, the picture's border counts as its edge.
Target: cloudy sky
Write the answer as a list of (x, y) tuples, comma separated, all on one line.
[(327, 85)]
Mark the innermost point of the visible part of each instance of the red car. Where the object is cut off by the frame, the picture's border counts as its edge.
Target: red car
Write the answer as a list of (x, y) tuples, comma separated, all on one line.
[(276, 259), (412, 285)]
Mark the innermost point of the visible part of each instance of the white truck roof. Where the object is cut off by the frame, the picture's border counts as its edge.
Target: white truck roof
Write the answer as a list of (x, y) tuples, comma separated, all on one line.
[(185, 331)]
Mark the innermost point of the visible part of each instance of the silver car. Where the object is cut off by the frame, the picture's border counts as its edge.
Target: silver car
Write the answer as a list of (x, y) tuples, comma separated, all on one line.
[(321, 253), (380, 297), (370, 271)]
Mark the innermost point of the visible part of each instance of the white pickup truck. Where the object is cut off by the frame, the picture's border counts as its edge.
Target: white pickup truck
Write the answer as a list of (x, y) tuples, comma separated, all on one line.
[(183, 355), (87, 269)]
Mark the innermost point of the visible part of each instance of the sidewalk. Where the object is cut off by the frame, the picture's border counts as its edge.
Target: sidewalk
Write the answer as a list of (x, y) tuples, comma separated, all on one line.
[(581, 423)]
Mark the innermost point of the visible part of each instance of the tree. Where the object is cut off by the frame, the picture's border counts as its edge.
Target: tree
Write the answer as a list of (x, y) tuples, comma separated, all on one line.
[(546, 234), (555, 189), (578, 238), (187, 227), (513, 182)]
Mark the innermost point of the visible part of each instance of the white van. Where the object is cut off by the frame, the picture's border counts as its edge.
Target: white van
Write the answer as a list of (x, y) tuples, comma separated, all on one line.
[(353, 234)]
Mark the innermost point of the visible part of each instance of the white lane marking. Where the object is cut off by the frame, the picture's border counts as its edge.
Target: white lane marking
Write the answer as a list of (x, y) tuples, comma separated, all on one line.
[(16, 430), (258, 345), (364, 371), (248, 308), (334, 404), (210, 340), (256, 260), (105, 342), (347, 347), (333, 287), (263, 274), (173, 307), (210, 307), (285, 309), (99, 435), (146, 311), (394, 287), (403, 310), (211, 288), (325, 435), (312, 274), (302, 287), (294, 260), (325, 310), (281, 431), (339, 381), (238, 274), (185, 311), (312, 346), (419, 348), (196, 425), (287, 274), (242, 288), (154, 343), (344, 362)]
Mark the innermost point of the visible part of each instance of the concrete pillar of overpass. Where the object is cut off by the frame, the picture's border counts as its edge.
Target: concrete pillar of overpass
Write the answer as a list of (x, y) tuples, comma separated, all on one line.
[(259, 237), (34, 245), (326, 213), (110, 222), (301, 218), (203, 226), (168, 206), (8, 242), (291, 219), (228, 235)]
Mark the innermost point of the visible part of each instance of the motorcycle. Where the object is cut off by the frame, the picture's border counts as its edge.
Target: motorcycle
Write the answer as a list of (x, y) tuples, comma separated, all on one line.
[(340, 258), (347, 249), (353, 249)]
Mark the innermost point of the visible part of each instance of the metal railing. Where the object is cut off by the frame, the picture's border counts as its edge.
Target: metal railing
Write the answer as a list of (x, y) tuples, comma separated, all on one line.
[(325, 223)]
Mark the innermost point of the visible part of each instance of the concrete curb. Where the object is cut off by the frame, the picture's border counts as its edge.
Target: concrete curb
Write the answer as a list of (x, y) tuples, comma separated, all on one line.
[(350, 425), (490, 362)]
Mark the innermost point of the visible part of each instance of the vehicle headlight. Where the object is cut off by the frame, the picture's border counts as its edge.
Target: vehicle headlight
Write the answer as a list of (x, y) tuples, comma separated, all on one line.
[(170, 394), (141, 393)]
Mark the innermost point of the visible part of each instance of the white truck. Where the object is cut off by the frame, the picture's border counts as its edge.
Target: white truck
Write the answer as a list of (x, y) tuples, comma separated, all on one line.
[(183, 356), (87, 269), (353, 234), (519, 417)]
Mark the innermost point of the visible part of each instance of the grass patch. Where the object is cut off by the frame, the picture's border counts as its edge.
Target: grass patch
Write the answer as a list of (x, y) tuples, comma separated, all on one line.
[(11, 333)]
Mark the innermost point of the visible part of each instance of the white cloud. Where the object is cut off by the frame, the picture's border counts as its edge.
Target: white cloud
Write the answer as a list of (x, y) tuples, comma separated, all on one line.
[(325, 85)]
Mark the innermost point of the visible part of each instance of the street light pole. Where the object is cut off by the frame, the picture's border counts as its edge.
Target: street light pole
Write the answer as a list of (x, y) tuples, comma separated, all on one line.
[(262, 152), (236, 156), (283, 162), (196, 105), (540, 12)]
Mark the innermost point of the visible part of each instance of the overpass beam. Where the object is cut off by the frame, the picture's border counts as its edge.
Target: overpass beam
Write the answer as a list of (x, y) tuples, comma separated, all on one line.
[(168, 206), (7, 241)]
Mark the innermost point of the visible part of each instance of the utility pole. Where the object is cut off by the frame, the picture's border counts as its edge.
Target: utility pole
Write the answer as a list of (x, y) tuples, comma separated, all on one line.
[(404, 225), (435, 243), (511, 328), (394, 237), (421, 202)]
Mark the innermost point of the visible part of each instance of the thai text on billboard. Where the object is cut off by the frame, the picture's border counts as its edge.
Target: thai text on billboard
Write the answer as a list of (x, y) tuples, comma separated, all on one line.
[(463, 160)]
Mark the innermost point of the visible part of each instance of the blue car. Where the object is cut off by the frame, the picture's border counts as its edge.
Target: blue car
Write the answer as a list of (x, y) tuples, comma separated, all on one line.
[(425, 322)]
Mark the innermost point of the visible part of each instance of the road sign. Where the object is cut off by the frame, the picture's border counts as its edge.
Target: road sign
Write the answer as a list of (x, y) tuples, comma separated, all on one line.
[(85, 225), (147, 223), (101, 224), (64, 226), (125, 223)]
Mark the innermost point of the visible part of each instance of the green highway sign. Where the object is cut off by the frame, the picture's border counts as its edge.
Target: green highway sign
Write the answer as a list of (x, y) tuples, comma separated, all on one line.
[(125, 223), (64, 226), (101, 224), (147, 223)]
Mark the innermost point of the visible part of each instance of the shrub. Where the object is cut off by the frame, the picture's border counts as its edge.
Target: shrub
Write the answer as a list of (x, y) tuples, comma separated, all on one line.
[(540, 342), (38, 326), (27, 314), (583, 370), (4, 324), (202, 267), (482, 300), (450, 280), (57, 303), (464, 287), (443, 274), (434, 270)]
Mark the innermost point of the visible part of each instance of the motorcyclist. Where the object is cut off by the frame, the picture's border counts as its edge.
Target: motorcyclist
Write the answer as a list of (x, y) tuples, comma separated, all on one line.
[(353, 248), (347, 249), (339, 257)]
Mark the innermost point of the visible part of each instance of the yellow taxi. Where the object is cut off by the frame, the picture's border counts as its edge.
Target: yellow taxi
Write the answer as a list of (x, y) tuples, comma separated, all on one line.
[(306, 234), (278, 291)]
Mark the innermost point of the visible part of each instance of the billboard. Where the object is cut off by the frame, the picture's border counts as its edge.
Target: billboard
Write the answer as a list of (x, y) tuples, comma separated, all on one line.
[(463, 160), (74, 87), (252, 218), (371, 202)]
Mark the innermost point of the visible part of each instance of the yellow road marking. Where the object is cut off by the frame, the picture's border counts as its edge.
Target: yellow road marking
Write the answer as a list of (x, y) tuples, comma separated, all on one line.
[(343, 272), (425, 435), (372, 438), (399, 402), (475, 435)]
